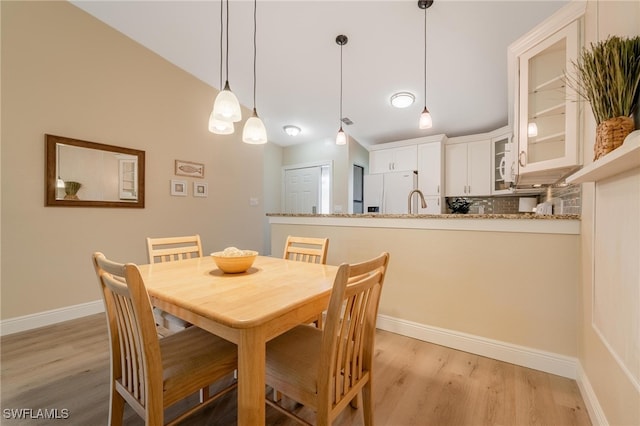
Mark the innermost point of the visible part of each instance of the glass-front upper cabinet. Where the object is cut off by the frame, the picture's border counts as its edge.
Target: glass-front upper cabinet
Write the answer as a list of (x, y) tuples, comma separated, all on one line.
[(502, 161), (546, 119)]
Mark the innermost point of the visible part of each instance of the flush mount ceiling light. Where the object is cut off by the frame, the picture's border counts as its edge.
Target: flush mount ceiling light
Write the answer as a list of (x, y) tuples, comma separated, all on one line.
[(425, 118), (254, 131), (402, 99), (226, 106), (292, 130), (341, 137)]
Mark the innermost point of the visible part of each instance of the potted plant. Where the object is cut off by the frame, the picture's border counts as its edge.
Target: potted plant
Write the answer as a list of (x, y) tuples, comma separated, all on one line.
[(71, 188), (608, 76)]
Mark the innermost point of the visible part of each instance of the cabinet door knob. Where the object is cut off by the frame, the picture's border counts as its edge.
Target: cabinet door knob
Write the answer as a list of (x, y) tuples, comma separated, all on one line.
[(522, 159)]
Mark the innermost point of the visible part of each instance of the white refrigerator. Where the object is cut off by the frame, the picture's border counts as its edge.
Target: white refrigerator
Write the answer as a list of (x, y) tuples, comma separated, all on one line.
[(389, 192)]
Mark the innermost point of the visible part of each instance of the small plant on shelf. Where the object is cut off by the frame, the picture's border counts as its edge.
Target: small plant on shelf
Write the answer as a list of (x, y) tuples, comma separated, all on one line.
[(608, 76)]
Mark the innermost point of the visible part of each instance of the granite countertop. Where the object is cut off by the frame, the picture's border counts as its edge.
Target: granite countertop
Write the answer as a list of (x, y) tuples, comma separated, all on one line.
[(435, 216)]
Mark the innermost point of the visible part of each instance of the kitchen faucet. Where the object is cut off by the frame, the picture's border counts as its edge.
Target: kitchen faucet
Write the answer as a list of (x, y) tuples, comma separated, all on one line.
[(423, 202)]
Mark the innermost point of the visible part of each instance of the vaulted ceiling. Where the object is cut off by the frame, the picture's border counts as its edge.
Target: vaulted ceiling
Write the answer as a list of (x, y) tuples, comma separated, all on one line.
[(298, 60)]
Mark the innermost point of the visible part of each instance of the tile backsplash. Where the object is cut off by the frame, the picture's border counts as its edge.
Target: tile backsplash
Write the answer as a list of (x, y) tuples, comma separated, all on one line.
[(565, 200)]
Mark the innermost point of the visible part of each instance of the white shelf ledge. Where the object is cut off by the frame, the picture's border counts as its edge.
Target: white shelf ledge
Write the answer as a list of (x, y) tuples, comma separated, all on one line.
[(624, 158)]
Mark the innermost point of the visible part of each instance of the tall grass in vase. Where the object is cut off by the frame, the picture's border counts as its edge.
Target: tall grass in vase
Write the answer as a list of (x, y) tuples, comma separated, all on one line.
[(71, 189), (608, 76)]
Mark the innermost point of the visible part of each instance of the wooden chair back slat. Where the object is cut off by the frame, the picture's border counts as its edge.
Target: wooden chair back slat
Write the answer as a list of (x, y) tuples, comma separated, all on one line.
[(168, 249), (306, 249)]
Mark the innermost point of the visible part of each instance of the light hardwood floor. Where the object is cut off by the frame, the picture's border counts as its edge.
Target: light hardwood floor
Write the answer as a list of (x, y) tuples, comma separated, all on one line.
[(66, 367)]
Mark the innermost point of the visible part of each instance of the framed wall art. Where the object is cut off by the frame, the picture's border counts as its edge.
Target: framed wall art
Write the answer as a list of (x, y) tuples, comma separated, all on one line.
[(200, 189), (179, 187), (188, 168)]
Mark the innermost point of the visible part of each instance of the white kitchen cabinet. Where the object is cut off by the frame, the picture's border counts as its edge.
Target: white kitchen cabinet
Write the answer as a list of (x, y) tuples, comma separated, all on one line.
[(398, 159), (546, 116), (468, 168), (431, 176)]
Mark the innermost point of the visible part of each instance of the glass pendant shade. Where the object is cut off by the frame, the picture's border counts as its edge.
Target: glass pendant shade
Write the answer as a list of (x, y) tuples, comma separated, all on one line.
[(341, 138), (226, 106), (254, 131), (59, 183), (532, 130), (220, 127), (425, 119)]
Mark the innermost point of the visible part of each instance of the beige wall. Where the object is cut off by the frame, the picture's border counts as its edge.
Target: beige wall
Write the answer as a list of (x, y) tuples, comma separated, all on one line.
[(617, 396), (359, 156), (65, 73), (519, 288), (272, 188)]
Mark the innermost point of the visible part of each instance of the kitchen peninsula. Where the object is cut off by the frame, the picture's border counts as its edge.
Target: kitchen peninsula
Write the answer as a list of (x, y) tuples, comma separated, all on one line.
[(502, 286)]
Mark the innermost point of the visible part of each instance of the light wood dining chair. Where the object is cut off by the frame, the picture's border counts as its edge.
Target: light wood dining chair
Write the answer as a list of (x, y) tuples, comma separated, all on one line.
[(326, 369), (174, 248), (169, 249), (307, 249), (148, 373)]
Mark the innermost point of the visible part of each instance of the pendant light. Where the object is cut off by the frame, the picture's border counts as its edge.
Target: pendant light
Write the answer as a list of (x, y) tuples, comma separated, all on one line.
[(425, 117), (341, 138), (220, 127), (226, 106), (254, 131)]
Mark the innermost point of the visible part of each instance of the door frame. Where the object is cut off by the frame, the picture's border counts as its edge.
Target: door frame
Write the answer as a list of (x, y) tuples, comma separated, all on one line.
[(321, 164)]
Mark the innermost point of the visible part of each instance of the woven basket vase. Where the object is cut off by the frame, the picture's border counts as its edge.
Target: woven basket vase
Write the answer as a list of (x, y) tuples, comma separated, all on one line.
[(610, 134)]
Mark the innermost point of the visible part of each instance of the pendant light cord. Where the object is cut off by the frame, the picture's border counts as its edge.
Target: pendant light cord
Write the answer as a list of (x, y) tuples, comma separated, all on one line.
[(255, 23), (340, 118), (221, 38), (227, 49), (425, 57)]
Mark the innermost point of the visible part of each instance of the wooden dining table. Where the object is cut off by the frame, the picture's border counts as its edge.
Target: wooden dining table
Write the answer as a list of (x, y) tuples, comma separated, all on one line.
[(248, 309)]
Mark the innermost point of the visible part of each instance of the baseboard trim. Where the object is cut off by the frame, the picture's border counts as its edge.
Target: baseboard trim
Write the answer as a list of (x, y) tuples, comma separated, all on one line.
[(548, 362), (544, 361), (596, 413), (41, 319), (520, 355)]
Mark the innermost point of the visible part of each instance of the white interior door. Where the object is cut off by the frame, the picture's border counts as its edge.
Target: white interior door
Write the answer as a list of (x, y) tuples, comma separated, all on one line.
[(302, 189)]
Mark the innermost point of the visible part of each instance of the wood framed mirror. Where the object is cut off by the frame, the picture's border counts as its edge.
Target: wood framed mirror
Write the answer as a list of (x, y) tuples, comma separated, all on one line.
[(88, 174)]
